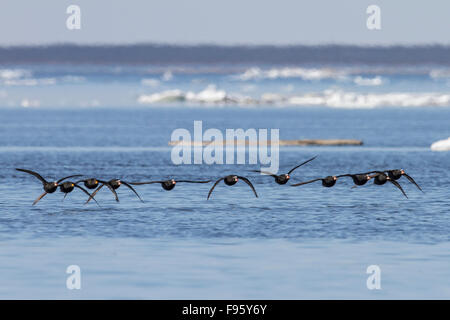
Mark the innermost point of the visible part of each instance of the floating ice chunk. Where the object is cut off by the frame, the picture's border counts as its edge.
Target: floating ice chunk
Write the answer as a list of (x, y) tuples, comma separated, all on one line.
[(150, 82), (249, 74), (441, 145), (26, 103), (9, 74), (167, 76), (271, 98), (328, 98), (165, 96), (31, 82), (360, 81), (439, 73), (282, 73), (209, 95)]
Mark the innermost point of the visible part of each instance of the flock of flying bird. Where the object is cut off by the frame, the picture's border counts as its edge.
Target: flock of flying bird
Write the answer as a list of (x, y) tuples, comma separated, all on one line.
[(66, 186)]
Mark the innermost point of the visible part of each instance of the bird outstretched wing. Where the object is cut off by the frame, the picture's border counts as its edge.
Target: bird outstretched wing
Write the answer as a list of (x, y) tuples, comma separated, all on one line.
[(249, 183), (265, 172), (68, 177), (301, 164), (132, 189), (346, 175), (113, 191), (37, 175), (395, 183), (85, 191), (412, 181), (95, 192), (306, 182), (211, 190), (146, 182), (39, 198)]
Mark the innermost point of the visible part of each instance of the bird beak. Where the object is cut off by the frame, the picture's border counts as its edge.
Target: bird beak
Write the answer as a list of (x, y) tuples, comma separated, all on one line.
[(288, 176), (403, 171), (334, 178), (73, 185), (96, 181)]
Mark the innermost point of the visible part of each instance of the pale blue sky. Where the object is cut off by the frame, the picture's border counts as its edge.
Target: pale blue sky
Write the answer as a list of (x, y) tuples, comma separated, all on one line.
[(225, 22)]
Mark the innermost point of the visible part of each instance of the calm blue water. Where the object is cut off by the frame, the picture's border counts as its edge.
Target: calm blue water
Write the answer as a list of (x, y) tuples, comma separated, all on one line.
[(132, 145), (303, 242)]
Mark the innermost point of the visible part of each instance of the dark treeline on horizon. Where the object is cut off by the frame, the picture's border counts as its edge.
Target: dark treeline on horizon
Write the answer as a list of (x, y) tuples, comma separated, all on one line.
[(212, 54)]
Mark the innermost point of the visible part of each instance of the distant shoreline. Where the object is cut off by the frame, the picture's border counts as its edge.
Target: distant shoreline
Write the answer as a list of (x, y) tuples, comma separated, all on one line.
[(140, 54)]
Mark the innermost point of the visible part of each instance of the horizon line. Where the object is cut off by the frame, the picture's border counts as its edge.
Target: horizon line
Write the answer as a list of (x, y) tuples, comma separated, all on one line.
[(226, 45)]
